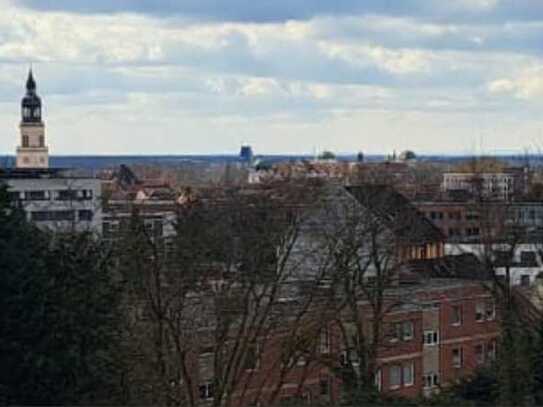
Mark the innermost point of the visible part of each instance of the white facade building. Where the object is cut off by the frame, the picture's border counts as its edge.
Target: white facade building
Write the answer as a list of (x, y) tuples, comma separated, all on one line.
[(524, 267), (55, 199)]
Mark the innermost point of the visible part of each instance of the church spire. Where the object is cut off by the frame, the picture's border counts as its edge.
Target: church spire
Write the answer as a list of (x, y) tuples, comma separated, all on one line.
[(32, 151), (30, 82)]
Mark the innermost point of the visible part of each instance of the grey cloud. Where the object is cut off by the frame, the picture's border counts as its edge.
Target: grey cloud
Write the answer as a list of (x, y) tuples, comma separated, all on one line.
[(281, 10)]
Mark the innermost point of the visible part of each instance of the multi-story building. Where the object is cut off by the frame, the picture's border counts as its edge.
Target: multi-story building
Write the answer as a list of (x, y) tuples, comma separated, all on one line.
[(504, 185), (445, 330), (55, 199)]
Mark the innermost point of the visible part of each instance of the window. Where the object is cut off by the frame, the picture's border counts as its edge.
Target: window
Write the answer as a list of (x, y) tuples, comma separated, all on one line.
[(479, 312), (472, 216), (37, 195), (456, 318), (85, 215), (395, 332), (479, 354), (490, 310), (472, 231), (206, 391), (14, 195), (52, 216), (378, 381), (457, 357), (528, 258), (324, 341), (26, 112), (491, 350), (66, 195), (407, 330), (431, 380), (454, 232), (395, 376), (525, 280), (402, 330), (348, 356), (85, 194), (408, 374), (25, 140), (430, 338), (42, 141)]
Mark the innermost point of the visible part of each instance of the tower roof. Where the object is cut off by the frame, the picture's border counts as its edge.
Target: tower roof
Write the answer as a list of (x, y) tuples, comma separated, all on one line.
[(30, 82)]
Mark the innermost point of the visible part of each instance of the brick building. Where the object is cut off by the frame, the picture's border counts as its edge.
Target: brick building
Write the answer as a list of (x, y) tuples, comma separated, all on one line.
[(447, 329)]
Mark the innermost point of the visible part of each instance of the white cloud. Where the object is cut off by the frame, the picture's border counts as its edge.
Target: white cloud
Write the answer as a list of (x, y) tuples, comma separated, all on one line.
[(128, 77), (528, 84)]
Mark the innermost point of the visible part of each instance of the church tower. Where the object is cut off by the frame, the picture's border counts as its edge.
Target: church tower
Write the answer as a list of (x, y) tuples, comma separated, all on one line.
[(32, 152)]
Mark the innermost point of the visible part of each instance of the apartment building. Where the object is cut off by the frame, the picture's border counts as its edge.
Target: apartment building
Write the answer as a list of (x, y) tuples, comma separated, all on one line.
[(448, 329), (504, 185), (56, 199)]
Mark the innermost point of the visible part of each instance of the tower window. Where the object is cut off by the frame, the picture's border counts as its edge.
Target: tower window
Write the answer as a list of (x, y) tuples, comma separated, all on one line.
[(42, 141), (25, 140), (37, 112), (26, 112)]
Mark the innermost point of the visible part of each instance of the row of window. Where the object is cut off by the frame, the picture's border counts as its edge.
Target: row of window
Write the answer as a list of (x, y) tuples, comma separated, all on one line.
[(483, 352), (111, 229), (484, 311), (457, 232), (59, 195), (400, 376), (61, 216), (451, 215), (26, 141)]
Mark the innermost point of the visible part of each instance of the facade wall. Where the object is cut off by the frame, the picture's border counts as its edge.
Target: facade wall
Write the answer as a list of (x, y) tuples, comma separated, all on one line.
[(406, 367), (59, 203)]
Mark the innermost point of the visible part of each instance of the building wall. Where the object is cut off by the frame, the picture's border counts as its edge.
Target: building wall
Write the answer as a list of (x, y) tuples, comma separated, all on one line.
[(49, 204)]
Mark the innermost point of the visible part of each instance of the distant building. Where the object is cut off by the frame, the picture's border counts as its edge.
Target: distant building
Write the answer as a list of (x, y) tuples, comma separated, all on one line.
[(32, 151), (246, 154), (52, 198), (55, 199), (504, 185)]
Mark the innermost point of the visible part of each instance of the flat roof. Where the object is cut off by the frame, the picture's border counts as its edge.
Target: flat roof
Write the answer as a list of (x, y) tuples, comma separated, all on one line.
[(44, 173)]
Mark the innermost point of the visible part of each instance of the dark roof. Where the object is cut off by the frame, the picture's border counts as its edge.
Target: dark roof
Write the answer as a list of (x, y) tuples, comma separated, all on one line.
[(126, 177), (30, 82), (465, 266), (397, 212)]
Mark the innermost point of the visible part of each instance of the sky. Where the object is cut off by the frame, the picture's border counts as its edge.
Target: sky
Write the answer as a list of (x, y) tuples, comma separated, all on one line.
[(286, 76)]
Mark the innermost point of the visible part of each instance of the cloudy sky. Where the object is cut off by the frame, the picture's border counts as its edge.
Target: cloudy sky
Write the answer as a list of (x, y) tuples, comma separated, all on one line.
[(287, 76)]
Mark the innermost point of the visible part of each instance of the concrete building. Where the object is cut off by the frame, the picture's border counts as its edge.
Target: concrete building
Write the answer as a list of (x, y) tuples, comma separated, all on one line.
[(55, 199)]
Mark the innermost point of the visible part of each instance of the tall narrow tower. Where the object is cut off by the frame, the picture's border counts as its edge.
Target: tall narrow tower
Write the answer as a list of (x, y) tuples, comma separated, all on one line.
[(32, 152)]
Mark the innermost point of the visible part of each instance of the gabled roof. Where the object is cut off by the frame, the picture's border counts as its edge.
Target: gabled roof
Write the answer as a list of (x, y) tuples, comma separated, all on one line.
[(397, 213)]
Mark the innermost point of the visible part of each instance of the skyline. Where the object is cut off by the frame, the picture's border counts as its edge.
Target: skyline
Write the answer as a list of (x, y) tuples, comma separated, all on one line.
[(196, 77)]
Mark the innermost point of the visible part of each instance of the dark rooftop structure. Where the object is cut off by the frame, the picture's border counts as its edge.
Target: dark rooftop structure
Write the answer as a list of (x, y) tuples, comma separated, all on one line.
[(397, 212), (463, 266)]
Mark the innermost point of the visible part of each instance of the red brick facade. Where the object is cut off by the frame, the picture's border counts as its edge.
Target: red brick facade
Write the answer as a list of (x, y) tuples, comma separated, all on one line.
[(451, 330)]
